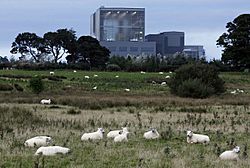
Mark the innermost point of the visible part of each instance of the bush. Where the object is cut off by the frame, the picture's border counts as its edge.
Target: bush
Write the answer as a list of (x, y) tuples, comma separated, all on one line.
[(196, 81), (113, 67), (5, 87), (18, 87), (36, 84)]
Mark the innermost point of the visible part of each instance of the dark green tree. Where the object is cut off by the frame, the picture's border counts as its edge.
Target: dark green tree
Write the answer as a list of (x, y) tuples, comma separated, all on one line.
[(236, 42), (36, 84), (29, 44), (60, 42)]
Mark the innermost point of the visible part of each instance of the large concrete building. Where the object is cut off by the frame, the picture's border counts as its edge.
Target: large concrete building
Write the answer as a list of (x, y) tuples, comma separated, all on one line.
[(195, 51), (167, 43), (121, 30)]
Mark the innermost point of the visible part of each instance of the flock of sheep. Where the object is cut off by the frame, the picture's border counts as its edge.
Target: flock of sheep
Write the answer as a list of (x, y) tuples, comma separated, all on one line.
[(119, 136)]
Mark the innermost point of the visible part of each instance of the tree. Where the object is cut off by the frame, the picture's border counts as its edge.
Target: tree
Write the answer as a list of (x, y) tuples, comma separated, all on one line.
[(236, 42), (29, 44), (59, 42), (4, 59)]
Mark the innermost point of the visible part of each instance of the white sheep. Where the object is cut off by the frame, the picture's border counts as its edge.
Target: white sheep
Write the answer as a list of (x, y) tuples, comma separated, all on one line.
[(52, 150), (95, 75), (231, 154), (163, 83), (74, 71), (45, 101), (170, 72), (52, 73), (233, 92), (127, 90), (142, 72), (86, 77), (161, 73), (117, 76), (114, 133), (167, 77), (38, 141), (152, 134), (197, 138), (123, 136), (93, 135), (153, 82), (94, 88)]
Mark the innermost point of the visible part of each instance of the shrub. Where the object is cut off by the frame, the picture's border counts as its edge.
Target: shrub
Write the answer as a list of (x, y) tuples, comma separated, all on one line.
[(18, 87), (36, 84), (5, 87), (113, 67), (196, 81)]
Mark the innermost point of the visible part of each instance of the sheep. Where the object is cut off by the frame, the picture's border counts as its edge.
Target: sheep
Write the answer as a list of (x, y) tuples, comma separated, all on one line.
[(230, 154), (95, 75), (170, 72), (94, 88), (163, 83), (142, 72), (86, 77), (153, 82), (123, 136), (74, 71), (127, 90), (52, 150), (45, 101), (117, 76), (93, 135), (114, 133), (38, 141), (197, 138), (161, 73), (167, 77), (152, 134), (233, 92), (52, 73)]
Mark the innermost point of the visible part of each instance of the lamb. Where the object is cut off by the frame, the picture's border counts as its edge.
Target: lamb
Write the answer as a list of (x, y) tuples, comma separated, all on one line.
[(74, 71), (95, 75), (86, 77), (127, 90), (161, 73), (38, 141), (93, 135), (163, 83), (45, 101), (142, 72), (152, 134), (167, 77), (123, 136), (117, 76), (94, 88), (114, 133), (52, 73), (231, 154), (52, 150), (197, 138)]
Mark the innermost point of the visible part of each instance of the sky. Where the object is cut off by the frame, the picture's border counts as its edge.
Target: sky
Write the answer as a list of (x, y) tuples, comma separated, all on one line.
[(203, 21)]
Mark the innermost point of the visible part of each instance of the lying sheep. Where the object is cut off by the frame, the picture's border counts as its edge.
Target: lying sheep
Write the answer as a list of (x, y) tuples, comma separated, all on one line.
[(197, 138), (142, 72), (93, 135), (231, 154), (114, 133), (74, 71), (86, 77), (95, 75), (167, 77), (52, 73), (123, 136), (45, 101), (152, 134), (52, 150), (117, 76), (161, 73), (164, 83), (38, 141), (94, 88), (127, 90)]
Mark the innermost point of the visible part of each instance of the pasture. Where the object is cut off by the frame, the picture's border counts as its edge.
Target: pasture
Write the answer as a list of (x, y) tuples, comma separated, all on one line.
[(77, 108)]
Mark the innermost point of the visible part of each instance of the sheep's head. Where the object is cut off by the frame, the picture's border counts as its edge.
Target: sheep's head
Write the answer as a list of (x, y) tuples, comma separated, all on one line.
[(124, 129), (101, 130), (236, 149), (189, 134)]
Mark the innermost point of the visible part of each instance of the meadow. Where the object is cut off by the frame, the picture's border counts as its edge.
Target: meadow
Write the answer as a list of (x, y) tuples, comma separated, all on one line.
[(77, 108)]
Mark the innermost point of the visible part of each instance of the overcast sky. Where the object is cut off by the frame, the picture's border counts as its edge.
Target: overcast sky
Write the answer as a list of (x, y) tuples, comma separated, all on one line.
[(203, 21)]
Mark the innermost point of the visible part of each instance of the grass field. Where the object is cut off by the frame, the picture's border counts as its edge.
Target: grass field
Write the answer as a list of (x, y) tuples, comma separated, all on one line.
[(225, 118)]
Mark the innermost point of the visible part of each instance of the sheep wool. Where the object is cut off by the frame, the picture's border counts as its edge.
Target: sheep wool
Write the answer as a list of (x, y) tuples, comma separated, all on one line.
[(122, 137), (231, 154), (114, 133), (197, 138), (45, 101), (152, 134), (52, 150)]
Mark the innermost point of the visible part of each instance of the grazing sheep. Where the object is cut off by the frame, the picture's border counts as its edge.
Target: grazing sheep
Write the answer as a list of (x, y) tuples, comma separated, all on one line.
[(231, 154), (45, 101), (142, 72), (163, 83), (117, 76), (94, 88), (86, 77), (38, 141), (95, 75), (152, 134), (52, 150), (127, 90), (197, 138), (161, 73), (167, 77), (52, 73), (123, 136), (114, 133), (93, 135)]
